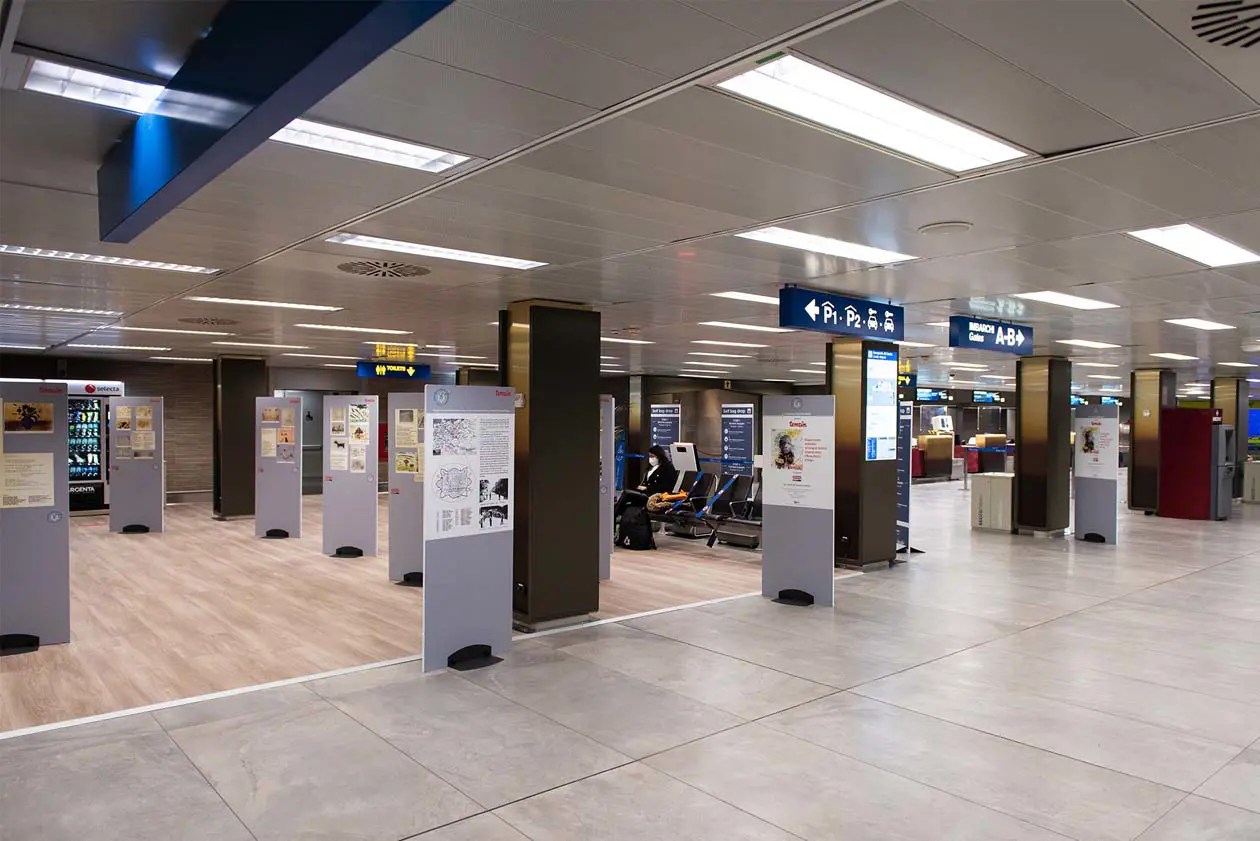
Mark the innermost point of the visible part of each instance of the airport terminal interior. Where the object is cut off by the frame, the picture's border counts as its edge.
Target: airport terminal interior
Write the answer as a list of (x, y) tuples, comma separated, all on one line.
[(619, 420)]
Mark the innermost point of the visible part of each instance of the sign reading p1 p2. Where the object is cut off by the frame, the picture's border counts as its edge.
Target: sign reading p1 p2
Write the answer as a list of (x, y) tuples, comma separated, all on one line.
[(982, 334), (824, 312)]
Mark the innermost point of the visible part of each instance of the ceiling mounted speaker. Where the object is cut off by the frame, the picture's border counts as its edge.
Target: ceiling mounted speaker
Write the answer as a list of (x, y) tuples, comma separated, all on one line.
[(382, 268), (1228, 23), (945, 228), (208, 321)]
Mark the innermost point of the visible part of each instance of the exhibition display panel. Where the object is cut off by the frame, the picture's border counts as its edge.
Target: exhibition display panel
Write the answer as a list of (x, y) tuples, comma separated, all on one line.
[(278, 456), (406, 487), (137, 465), (350, 464), (35, 549)]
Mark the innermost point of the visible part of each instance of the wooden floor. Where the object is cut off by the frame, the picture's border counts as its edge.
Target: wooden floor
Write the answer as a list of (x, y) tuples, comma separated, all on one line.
[(206, 607)]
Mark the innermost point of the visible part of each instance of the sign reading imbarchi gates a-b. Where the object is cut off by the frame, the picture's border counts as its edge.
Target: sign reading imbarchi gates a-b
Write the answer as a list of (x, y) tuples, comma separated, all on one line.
[(982, 334), (826, 312)]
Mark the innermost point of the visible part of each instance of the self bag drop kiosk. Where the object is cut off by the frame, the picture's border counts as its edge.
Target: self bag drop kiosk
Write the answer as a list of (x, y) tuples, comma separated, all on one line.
[(1196, 477)]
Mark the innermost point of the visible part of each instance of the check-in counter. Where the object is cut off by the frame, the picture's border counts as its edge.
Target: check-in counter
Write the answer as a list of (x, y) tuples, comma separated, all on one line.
[(938, 455), (992, 453)]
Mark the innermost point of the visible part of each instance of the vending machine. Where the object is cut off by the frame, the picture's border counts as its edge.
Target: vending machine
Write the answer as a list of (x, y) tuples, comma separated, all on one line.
[(88, 428)]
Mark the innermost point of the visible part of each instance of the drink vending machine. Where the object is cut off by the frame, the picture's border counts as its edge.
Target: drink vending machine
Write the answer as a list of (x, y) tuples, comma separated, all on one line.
[(88, 427)]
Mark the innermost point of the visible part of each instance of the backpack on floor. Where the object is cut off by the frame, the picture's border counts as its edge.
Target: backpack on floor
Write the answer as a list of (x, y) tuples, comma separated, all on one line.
[(635, 530)]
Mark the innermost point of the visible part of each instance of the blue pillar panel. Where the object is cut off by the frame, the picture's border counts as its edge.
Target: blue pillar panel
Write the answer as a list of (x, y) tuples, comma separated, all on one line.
[(261, 64)]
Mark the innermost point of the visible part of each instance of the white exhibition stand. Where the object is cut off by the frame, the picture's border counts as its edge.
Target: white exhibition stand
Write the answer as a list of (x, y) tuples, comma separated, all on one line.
[(468, 520), (34, 517), (137, 465), (406, 487), (1096, 472), (278, 459), (350, 463), (798, 478)]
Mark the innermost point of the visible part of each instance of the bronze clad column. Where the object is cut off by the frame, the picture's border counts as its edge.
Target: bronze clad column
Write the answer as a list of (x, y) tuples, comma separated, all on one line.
[(237, 382), (1043, 444), (552, 360), (866, 491), (1231, 395), (1150, 392)]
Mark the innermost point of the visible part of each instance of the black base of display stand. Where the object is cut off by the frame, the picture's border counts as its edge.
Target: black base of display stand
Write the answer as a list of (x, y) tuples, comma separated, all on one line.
[(795, 598), (909, 550), (276, 534), (411, 579), (135, 528), (472, 657), (348, 552), (1093, 537), (18, 644)]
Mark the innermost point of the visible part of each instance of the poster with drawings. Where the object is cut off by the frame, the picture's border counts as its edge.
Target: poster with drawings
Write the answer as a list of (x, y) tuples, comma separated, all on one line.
[(468, 474)]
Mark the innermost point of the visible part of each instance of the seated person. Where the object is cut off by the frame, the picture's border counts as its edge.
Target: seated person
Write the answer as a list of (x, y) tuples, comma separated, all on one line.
[(660, 479)]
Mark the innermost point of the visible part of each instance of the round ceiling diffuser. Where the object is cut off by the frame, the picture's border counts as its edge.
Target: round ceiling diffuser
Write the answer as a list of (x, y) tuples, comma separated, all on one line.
[(382, 268), (1228, 23), (945, 228), (207, 321)]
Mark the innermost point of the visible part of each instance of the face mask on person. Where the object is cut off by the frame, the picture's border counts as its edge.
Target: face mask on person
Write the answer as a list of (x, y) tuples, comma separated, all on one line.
[(653, 460)]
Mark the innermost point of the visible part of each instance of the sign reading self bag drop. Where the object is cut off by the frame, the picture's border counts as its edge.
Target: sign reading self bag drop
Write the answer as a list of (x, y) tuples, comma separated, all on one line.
[(825, 312), (982, 334), (738, 438), (665, 424)]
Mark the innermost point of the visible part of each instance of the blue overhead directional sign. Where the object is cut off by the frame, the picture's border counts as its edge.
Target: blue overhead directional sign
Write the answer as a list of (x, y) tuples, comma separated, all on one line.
[(825, 312), (982, 334), (393, 370)]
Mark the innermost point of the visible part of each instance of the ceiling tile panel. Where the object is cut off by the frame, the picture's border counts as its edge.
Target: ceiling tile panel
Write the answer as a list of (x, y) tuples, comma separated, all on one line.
[(423, 101), (466, 37), (1227, 151), (1058, 189), (1104, 53), (1104, 258), (767, 19), (906, 53), (1235, 62), (46, 141)]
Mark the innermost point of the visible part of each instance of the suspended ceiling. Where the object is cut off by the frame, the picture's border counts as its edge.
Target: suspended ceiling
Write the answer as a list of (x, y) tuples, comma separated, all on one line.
[(603, 151)]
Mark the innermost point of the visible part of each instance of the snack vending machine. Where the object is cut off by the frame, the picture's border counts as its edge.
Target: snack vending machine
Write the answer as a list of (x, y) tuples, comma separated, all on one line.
[(88, 425)]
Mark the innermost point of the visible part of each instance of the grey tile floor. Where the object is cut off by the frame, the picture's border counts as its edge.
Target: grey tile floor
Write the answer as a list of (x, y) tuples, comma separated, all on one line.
[(995, 688)]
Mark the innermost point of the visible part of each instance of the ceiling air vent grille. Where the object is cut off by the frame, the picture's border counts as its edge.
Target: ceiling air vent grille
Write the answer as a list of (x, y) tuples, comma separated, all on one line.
[(207, 321), (1228, 23), (382, 268)]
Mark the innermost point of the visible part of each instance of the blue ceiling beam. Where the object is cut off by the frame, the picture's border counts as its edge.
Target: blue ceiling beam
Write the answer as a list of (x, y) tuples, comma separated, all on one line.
[(261, 64)]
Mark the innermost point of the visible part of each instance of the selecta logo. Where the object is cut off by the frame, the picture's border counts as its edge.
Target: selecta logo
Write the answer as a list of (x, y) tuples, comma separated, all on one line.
[(798, 424), (51, 389), (89, 388), (498, 392)]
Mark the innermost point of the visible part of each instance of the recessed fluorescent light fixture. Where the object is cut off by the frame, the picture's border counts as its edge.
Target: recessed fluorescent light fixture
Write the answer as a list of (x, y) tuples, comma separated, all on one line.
[(382, 244), (773, 380), (318, 356), (95, 88), (1197, 244), (938, 324), (721, 355), (756, 328), (904, 343), (995, 377), (245, 302), (100, 259), (23, 347), (966, 366), (166, 330), (262, 344), (702, 375), (344, 329), (370, 147), (1180, 357), (617, 341), (1253, 381), (825, 97), (803, 371), (712, 364), (340, 365), (65, 310), (825, 245), (475, 364), (1064, 300), (1094, 364), (1104, 377), (1238, 364), (182, 358), (715, 342), (613, 358), (440, 347), (115, 347), (1089, 343), (1198, 324), (747, 296)]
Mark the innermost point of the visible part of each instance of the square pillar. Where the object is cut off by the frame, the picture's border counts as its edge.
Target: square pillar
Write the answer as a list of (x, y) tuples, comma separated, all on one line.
[(552, 355), (1043, 444), (866, 489), (1230, 395), (1150, 392), (238, 383)]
